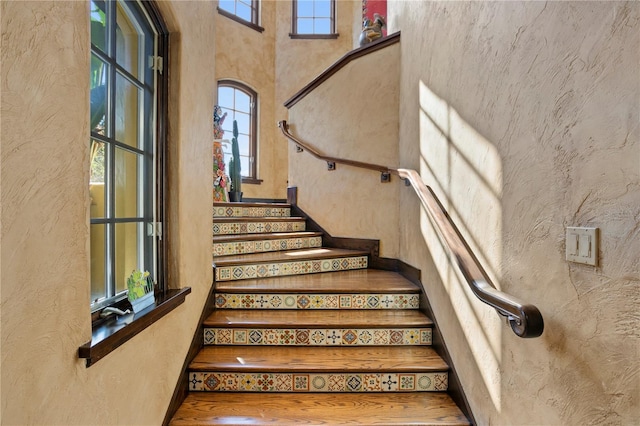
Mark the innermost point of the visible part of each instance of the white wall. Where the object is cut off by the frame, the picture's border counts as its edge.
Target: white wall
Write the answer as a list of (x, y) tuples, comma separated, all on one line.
[(523, 117)]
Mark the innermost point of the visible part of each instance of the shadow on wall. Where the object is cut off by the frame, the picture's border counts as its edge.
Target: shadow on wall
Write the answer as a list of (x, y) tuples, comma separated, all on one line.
[(465, 170)]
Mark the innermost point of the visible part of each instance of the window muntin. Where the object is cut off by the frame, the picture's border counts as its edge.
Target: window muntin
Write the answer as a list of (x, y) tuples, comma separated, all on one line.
[(123, 147), (239, 102), (313, 17), (247, 10)]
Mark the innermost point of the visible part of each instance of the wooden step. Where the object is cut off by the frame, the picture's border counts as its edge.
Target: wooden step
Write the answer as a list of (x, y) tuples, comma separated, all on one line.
[(318, 369), (317, 328), (359, 289), (362, 281), (290, 262), (225, 245), (365, 281), (251, 210), (435, 408), (317, 359), (316, 319), (257, 225)]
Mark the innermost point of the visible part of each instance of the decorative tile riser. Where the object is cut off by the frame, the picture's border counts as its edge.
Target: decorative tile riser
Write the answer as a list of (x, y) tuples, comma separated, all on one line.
[(280, 269), (311, 382), (235, 228), (246, 247), (225, 211), (316, 301), (318, 337)]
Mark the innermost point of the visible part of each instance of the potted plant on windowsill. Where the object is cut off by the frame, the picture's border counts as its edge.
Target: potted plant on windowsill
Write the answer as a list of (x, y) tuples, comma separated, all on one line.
[(141, 294), (235, 173)]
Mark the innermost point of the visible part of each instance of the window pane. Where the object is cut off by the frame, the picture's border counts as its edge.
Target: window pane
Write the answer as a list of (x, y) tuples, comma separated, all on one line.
[(97, 183), (126, 112), (99, 70), (98, 25), (245, 166), (127, 40), (98, 267), (243, 102), (126, 245), (225, 98), (323, 26), (305, 8), (228, 5), (126, 183), (244, 121), (243, 144), (322, 8), (243, 11), (305, 25)]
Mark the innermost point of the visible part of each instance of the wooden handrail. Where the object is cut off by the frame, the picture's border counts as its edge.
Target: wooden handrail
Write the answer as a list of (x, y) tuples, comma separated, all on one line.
[(525, 319)]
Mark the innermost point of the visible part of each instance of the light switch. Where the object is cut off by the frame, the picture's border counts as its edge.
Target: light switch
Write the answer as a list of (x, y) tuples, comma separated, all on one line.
[(582, 245)]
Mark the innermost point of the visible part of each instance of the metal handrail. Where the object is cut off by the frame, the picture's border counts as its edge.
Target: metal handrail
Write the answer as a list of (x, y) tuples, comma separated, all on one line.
[(525, 319)]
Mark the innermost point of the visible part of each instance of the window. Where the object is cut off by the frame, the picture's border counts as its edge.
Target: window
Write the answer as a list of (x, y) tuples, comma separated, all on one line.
[(127, 107), (314, 19), (239, 102), (243, 11)]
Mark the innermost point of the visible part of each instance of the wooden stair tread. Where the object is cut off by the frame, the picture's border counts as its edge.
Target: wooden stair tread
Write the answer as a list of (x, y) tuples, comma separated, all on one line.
[(318, 359), (366, 281), (424, 408), (258, 219), (244, 204), (287, 256), (272, 236), (240, 318)]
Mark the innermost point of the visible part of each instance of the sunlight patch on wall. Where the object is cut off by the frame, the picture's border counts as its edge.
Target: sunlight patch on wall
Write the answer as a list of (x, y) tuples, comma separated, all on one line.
[(464, 170)]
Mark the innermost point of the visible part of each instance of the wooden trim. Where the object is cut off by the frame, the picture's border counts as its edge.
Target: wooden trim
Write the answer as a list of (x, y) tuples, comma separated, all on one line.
[(252, 25), (252, 181), (314, 36), (350, 56), (454, 389), (115, 332), (181, 388)]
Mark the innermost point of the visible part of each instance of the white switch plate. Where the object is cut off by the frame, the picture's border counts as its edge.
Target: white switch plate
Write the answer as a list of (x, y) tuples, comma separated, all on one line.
[(582, 245)]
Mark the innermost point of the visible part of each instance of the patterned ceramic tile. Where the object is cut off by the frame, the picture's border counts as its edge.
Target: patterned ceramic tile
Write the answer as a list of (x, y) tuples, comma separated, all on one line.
[(318, 337), (242, 272), (244, 247), (240, 211), (312, 382), (257, 227), (316, 301)]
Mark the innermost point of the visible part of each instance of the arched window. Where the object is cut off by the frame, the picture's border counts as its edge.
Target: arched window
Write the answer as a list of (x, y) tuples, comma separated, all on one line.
[(128, 97), (240, 103)]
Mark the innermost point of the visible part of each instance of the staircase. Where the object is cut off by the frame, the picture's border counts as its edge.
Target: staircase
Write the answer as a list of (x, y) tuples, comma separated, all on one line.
[(305, 334)]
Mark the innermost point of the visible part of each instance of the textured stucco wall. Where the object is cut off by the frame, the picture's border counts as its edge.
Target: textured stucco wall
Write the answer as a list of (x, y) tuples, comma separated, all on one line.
[(246, 55), (45, 220), (300, 61), (523, 116), (353, 115)]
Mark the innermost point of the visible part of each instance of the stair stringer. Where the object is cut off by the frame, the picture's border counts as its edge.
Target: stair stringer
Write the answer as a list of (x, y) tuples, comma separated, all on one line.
[(409, 272)]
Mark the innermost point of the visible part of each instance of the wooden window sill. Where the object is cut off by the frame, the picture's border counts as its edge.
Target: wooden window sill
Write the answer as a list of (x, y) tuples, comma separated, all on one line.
[(251, 181), (117, 330), (313, 36)]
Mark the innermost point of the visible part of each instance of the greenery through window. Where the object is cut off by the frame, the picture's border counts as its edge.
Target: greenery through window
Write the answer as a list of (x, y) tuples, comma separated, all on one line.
[(123, 172), (313, 18), (239, 102)]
